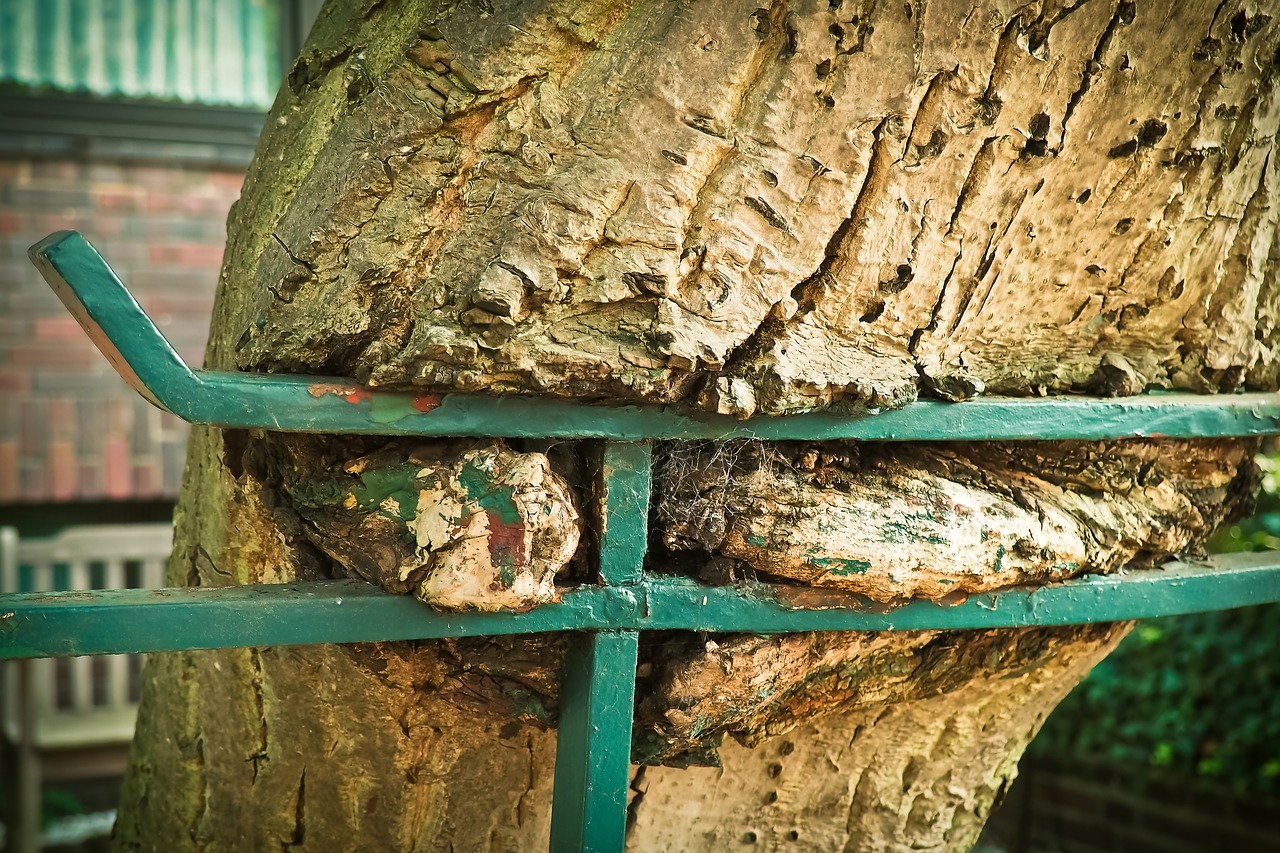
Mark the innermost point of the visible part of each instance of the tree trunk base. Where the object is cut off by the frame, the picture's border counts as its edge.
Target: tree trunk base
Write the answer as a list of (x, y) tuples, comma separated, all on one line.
[(919, 775)]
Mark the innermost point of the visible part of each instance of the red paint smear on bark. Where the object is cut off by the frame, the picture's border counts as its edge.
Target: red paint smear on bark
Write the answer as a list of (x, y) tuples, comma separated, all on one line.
[(506, 542), (350, 393), (426, 402)]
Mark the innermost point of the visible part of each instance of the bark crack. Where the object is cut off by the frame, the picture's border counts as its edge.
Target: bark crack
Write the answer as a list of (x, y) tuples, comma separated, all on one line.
[(259, 756), (985, 158), (202, 796), (633, 808), (299, 834), (989, 102), (1093, 66), (805, 293), (932, 325), (994, 242)]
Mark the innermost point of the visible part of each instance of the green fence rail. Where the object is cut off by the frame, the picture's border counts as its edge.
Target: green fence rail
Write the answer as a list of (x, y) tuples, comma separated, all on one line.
[(593, 752)]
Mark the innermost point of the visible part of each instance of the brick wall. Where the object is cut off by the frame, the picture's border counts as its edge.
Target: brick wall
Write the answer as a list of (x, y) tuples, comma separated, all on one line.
[(1085, 807), (70, 429)]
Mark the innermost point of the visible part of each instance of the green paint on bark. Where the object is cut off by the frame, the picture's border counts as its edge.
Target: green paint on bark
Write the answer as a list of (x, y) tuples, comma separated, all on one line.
[(499, 501), (841, 565)]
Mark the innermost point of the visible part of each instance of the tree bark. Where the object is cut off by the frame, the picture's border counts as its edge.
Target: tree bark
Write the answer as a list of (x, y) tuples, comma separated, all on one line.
[(744, 209), (918, 775)]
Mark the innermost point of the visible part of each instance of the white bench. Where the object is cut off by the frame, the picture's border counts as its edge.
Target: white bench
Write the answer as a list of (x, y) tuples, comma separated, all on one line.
[(59, 713)]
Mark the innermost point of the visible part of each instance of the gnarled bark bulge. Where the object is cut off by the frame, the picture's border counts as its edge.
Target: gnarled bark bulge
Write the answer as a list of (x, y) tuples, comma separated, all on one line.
[(732, 207)]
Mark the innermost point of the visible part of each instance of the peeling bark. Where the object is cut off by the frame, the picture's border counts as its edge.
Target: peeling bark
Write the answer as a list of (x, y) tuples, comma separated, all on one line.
[(894, 522), (477, 527), (743, 209)]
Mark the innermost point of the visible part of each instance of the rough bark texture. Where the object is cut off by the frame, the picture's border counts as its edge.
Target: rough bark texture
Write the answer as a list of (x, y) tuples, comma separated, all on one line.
[(879, 774), (745, 209), (769, 209)]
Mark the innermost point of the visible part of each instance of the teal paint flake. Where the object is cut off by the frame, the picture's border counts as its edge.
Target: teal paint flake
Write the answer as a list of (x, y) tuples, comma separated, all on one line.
[(841, 565), (498, 501), (397, 483), (908, 530)]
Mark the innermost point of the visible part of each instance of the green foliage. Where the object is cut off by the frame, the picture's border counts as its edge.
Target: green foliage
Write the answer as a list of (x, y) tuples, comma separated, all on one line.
[(56, 803), (1195, 696), (1260, 532)]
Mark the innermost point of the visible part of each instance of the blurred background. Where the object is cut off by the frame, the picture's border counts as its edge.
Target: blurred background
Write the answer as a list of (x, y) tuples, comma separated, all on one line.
[(133, 121)]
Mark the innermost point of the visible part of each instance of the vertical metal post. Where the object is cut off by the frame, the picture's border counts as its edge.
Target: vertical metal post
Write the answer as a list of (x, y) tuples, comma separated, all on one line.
[(25, 834), (597, 696), (593, 751), (625, 526)]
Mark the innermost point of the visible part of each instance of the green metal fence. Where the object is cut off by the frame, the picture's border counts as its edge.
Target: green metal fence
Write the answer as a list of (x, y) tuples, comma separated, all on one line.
[(597, 694)]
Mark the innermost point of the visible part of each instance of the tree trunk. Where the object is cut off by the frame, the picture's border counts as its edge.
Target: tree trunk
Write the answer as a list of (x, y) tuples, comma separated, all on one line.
[(744, 209)]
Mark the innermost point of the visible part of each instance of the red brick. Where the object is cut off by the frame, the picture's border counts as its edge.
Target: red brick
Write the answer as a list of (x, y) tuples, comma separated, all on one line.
[(120, 415), (47, 197), (147, 480), (58, 328), (104, 173), (106, 226), (46, 222), (231, 181), (34, 483), (160, 254), (59, 171), (30, 297), (171, 425), (11, 381), (170, 257), (61, 414), (157, 201), (90, 481), (9, 491), (116, 465), (198, 255), (118, 199), (154, 176), (15, 171), (13, 327), (188, 306), (65, 355), (35, 415), (64, 484), (91, 414), (205, 205)]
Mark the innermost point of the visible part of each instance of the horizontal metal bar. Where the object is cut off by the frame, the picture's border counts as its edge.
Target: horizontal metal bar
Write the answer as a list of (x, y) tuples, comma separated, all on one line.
[(135, 620), (137, 349)]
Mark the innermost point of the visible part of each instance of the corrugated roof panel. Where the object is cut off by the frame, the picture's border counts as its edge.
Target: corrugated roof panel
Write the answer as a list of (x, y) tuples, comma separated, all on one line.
[(196, 51)]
